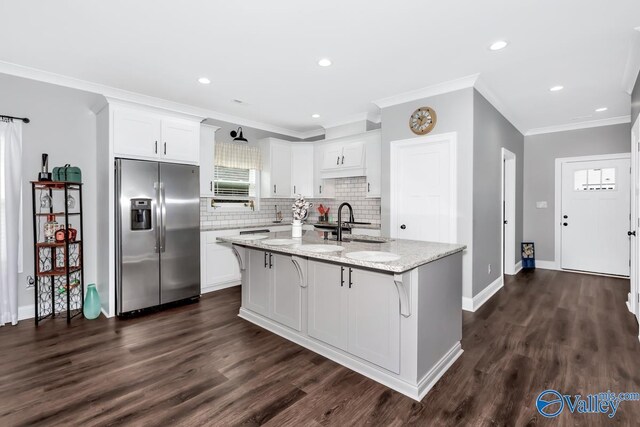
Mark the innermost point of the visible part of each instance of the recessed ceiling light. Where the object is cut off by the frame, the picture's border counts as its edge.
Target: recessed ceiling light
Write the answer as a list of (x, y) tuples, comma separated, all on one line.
[(601, 109), (315, 116), (556, 88), (204, 80), (500, 44), (324, 62)]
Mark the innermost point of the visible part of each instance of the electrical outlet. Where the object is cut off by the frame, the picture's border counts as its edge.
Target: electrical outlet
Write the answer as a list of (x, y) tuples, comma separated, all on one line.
[(489, 269)]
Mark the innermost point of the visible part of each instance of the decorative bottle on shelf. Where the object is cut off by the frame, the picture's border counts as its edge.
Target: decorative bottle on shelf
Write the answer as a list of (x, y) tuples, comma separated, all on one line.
[(50, 228), (91, 307)]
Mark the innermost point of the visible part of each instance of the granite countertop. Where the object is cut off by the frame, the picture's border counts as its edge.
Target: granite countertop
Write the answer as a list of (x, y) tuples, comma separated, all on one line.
[(361, 226), (244, 227), (412, 253)]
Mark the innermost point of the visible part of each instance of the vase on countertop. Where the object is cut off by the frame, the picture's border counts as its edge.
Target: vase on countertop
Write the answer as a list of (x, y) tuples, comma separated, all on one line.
[(296, 228), (91, 308)]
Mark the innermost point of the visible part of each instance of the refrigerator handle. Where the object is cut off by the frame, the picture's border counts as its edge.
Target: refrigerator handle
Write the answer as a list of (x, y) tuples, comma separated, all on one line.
[(156, 186), (163, 218)]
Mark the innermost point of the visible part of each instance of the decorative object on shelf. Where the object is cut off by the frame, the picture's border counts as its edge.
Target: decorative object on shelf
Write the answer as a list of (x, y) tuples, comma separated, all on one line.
[(528, 255), (45, 201), (58, 254), (423, 120), (238, 136), (71, 202), (51, 227), (91, 307), (300, 210), (67, 173), (44, 174)]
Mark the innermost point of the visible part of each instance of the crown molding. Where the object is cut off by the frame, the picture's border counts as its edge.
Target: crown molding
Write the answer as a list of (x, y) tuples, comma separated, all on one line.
[(138, 98), (581, 125), (429, 91), (488, 94), (354, 118), (632, 67)]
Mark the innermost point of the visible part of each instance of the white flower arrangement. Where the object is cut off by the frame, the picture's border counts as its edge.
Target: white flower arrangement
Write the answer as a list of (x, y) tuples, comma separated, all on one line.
[(301, 208)]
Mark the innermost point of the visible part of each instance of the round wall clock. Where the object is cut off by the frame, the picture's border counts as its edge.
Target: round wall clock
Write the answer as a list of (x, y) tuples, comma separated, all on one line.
[(422, 121)]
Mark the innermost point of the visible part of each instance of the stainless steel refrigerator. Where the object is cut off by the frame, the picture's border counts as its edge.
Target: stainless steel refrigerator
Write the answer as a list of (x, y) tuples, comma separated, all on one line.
[(157, 234)]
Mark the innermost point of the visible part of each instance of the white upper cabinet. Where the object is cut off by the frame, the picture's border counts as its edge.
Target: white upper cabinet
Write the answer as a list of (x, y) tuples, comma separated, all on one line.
[(180, 141), (374, 164), (147, 135), (345, 157), (302, 170), (322, 188), (275, 177), (207, 150), (136, 134)]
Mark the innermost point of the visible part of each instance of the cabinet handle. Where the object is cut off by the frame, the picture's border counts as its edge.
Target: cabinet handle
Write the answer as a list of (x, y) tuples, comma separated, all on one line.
[(211, 186), (294, 190), (165, 148), (156, 148), (342, 160), (321, 189), (350, 282), (270, 260), (341, 276), (265, 260), (274, 189), (368, 187), (338, 161)]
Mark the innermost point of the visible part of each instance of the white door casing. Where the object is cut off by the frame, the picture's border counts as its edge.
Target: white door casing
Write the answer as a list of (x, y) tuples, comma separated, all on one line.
[(634, 294), (594, 221), (423, 184), (508, 193)]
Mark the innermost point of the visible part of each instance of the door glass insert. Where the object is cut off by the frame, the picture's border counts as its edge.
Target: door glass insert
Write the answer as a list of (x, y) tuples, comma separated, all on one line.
[(594, 179)]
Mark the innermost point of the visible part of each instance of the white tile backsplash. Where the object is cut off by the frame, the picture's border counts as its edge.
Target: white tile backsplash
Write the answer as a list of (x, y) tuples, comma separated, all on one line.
[(352, 190)]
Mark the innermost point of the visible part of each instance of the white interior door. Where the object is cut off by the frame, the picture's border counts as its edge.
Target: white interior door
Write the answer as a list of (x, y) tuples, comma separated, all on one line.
[(508, 212), (595, 216), (423, 190)]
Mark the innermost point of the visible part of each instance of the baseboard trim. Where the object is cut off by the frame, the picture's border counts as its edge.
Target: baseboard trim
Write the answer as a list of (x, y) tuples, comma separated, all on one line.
[(26, 312), (518, 268), (219, 287), (473, 304), (414, 391), (547, 265)]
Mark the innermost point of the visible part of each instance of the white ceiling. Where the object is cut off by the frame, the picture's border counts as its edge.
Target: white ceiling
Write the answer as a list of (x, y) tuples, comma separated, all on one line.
[(265, 53)]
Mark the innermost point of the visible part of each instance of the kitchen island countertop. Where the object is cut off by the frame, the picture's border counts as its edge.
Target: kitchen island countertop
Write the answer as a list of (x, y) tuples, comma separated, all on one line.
[(412, 253)]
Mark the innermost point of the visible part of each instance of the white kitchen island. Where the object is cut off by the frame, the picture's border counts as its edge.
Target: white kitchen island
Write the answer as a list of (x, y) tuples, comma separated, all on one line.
[(398, 322)]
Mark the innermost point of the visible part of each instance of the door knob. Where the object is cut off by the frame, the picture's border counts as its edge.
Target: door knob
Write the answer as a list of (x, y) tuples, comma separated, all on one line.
[(565, 224), (631, 233), (403, 227)]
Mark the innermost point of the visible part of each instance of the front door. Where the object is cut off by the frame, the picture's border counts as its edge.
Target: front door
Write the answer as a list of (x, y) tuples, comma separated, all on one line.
[(595, 212)]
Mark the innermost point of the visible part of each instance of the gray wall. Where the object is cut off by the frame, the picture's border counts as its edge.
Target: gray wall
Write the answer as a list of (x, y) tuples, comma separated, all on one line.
[(540, 152), (635, 101), (251, 134), (492, 132), (455, 114), (63, 126)]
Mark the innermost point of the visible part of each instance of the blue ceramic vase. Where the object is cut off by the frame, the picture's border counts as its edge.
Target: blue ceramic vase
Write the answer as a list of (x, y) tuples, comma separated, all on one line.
[(91, 308)]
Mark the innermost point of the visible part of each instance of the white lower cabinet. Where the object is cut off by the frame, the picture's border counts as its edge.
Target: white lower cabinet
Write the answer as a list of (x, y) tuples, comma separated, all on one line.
[(218, 264), (327, 305), (356, 311), (256, 282), (272, 287)]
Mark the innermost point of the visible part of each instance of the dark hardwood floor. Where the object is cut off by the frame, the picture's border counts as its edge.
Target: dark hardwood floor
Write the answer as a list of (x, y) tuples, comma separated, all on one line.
[(202, 365)]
